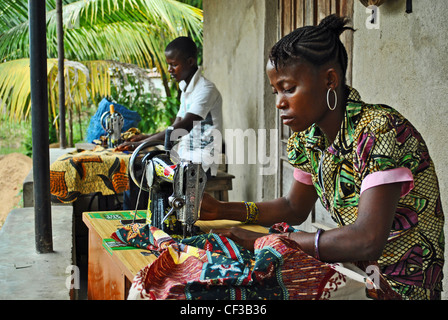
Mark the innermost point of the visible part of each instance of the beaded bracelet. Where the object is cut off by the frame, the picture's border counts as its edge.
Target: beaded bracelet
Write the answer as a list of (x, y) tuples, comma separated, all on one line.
[(252, 212), (316, 243)]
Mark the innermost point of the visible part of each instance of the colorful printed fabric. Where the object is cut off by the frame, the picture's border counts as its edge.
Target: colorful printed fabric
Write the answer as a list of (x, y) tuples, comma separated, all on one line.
[(376, 138), (86, 172), (210, 267)]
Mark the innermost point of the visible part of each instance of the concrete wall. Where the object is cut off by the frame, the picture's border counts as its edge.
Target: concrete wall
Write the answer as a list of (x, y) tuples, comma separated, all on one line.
[(404, 63), (236, 42)]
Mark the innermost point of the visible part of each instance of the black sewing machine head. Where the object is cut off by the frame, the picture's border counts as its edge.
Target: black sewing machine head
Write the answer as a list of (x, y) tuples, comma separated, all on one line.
[(175, 188)]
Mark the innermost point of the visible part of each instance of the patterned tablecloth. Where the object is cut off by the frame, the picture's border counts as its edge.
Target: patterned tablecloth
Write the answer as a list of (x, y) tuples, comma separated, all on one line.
[(85, 172)]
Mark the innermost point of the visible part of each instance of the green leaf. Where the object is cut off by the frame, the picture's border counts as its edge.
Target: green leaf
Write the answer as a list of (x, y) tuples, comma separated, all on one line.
[(98, 34)]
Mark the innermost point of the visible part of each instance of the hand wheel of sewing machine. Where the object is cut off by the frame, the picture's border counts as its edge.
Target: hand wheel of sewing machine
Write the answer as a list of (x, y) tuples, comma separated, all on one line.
[(141, 166), (141, 170), (139, 161)]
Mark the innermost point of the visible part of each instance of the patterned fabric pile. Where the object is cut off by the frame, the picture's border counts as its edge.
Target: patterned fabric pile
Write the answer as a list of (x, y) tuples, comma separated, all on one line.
[(210, 267), (98, 171)]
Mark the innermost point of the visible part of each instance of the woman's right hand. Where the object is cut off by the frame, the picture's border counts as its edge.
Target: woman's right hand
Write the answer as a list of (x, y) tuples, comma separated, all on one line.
[(210, 208)]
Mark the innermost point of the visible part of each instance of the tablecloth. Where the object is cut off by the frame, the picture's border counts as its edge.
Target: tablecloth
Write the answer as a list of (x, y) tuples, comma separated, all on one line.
[(85, 172)]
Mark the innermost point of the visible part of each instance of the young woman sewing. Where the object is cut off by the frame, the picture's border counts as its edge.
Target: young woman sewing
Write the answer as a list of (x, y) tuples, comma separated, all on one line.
[(366, 163)]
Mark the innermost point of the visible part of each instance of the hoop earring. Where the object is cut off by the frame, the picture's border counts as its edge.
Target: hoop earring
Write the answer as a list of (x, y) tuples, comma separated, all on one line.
[(335, 99)]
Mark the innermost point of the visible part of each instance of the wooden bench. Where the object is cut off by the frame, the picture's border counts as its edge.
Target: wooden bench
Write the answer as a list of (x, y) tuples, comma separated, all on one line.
[(218, 186)]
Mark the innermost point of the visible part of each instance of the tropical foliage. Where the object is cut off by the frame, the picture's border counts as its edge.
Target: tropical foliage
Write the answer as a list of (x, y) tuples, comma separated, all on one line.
[(102, 39)]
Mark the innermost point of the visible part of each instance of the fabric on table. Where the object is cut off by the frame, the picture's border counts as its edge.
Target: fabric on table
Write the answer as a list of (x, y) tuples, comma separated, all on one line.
[(100, 170), (210, 267)]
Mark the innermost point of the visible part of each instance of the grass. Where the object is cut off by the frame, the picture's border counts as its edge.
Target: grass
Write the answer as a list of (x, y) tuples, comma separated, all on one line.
[(13, 135)]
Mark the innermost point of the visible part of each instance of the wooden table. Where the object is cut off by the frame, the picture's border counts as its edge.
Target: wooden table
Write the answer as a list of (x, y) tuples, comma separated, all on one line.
[(88, 172), (111, 271)]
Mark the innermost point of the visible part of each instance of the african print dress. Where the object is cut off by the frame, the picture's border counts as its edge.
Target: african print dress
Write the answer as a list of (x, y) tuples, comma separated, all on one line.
[(377, 145)]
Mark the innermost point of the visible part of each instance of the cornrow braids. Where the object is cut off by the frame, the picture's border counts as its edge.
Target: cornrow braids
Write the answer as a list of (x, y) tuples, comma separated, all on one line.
[(315, 44)]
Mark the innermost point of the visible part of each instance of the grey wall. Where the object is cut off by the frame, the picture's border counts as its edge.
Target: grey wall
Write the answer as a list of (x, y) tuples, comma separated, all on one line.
[(404, 63), (236, 42)]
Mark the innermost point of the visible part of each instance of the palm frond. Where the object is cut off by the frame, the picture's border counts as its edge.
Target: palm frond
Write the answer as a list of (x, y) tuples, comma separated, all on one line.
[(82, 80), (13, 87), (99, 17), (97, 34)]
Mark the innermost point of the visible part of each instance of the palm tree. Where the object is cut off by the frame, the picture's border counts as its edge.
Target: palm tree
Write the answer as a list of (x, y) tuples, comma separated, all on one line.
[(98, 35)]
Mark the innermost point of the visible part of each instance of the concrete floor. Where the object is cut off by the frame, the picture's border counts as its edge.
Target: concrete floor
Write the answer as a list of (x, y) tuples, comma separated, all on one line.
[(26, 274)]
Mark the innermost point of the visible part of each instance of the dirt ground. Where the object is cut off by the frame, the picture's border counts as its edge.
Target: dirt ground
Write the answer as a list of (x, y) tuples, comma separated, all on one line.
[(14, 168)]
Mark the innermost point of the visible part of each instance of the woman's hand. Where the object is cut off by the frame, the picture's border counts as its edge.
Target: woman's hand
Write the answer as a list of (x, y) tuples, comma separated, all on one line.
[(243, 237)]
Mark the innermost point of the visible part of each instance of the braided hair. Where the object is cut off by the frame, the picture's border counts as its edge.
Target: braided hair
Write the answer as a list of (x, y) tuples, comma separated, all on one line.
[(315, 44)]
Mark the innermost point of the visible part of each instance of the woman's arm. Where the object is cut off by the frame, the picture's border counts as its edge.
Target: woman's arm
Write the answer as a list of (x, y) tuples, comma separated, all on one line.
[(362, 241), (365, 239), (293, 208)]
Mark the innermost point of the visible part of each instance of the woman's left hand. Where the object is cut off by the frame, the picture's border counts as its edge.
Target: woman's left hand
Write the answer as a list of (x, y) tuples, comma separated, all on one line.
[(243, 237)]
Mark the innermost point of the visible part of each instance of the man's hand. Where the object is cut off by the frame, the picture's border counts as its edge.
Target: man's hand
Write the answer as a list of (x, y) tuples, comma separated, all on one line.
[(127, 146), (132, 143), (138, 137)]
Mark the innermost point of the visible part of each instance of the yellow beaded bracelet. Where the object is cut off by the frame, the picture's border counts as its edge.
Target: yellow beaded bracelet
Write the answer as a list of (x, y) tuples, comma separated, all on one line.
[(252, 212)]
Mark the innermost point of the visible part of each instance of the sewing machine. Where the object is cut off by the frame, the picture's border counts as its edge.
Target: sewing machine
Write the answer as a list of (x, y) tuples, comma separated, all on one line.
[(175, 187), (112, 122)]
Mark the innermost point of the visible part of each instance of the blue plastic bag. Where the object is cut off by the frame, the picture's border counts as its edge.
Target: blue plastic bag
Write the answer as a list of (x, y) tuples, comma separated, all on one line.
[(95, 130)]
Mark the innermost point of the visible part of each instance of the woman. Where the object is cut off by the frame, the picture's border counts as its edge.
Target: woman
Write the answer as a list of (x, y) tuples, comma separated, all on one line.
[(366, 163)]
